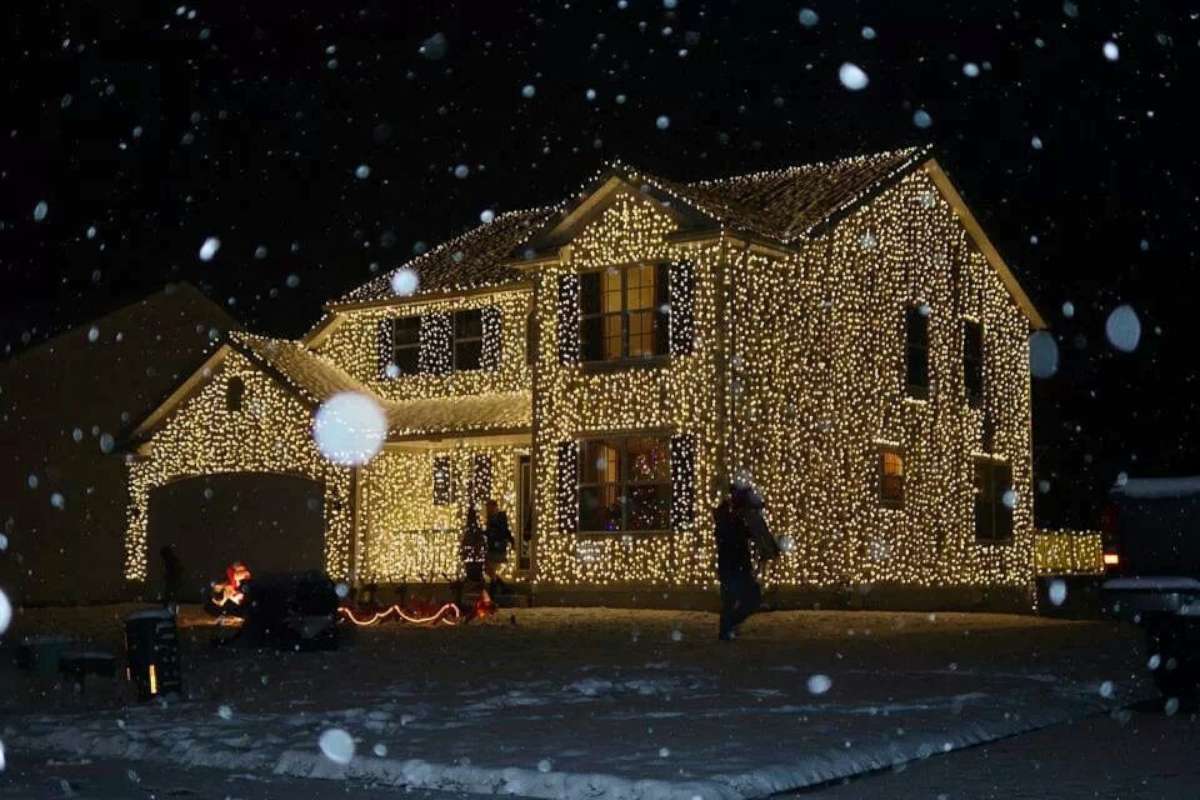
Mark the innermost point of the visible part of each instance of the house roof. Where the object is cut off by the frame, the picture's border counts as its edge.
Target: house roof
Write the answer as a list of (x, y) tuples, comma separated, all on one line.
[(470, 261), (316, 379), (787, 204), (780, 204)]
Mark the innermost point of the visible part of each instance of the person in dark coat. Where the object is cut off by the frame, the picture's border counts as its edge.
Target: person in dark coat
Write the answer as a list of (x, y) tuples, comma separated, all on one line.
[(740, 593), (172, 576), (473, 548), (499, 537)]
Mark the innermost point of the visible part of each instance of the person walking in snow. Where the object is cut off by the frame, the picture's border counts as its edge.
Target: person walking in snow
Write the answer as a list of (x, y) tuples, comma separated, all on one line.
[(499, 537), (740, 593)]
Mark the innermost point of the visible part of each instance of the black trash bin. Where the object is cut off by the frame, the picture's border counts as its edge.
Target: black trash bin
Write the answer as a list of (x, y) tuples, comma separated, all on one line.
[(152, 650)]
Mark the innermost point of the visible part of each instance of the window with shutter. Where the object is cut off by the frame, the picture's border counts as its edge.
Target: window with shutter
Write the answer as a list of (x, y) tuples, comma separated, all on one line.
[(623, 313), (406, 345), (891, 478), (625, 484), (917, 350), (973, 362), (468, 339), (994, 501)]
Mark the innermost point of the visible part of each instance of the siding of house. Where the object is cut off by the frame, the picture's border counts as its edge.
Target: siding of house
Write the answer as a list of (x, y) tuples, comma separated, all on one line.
[(813, 447), (409, 537), (354, 346), (271, 433), (678, 398)]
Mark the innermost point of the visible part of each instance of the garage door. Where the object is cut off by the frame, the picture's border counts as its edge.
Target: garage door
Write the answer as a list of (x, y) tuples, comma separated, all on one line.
[(273, 523)]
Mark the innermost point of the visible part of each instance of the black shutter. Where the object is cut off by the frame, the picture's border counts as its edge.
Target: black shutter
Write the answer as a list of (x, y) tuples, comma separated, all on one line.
[(568, 319), (682, 287), (568, 487), (442, 481), (1004, 512), (591, 326), (683, 481), (493, 338), (437, 344), (383, 347), (973, 362), (481, 480), (662, 308)]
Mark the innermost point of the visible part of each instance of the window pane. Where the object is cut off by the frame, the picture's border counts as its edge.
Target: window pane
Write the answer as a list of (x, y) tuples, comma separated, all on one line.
[(893, 463), (611, 300), (599, 508), (648, 460), (649, 507), (468, 324), (612, 336), (406, 360), (589, 293), (639, 282), (641, 334), (973, 361), (917, 352), (407, 331), (601, 462), (591, 338), (468, 355)]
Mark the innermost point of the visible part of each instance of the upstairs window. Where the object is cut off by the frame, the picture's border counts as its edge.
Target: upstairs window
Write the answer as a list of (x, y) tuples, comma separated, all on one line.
[(891, 478), (625, 484), (468, 339), (916, 351), (235, 393), (622, 313), (406, 345), (994, 501), (973, 362)]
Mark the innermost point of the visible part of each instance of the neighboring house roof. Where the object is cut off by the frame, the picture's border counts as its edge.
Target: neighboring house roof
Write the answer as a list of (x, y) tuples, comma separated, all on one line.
[(470, 261)]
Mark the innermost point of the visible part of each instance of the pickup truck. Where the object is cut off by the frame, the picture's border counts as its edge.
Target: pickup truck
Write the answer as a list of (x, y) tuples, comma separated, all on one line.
[(1152, 574)]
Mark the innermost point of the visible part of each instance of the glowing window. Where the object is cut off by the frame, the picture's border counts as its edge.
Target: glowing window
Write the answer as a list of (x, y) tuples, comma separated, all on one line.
[(891, 478), (625, 484), (623, 313)]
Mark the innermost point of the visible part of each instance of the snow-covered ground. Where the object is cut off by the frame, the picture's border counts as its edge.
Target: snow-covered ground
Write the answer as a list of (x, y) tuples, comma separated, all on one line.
[(597, 702)]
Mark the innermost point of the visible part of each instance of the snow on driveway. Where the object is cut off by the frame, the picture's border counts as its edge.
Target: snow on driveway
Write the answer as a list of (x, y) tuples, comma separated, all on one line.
[(616, 704)]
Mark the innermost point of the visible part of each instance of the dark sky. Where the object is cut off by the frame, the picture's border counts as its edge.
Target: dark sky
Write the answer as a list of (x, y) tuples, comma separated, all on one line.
[(159, 125)]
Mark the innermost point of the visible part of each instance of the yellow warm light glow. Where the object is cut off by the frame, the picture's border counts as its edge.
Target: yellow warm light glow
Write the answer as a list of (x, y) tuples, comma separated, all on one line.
[(794, 379)]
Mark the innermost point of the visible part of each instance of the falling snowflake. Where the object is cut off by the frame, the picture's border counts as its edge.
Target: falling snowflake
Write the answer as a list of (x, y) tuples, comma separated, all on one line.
[(1111, 51), (405, 282), (487, 216), (1068, 309), (1043, 355), (971, 69), (5, 612), (209, 248), (362, 172), (349, 428), (1123, 329), (663, 122), (380, 749), (528, 91), (819, 684), (809, 18), (852, 77), (544, 765), (462, 171), (1057, 591), (225, 712), (921, 118), (40, 211)]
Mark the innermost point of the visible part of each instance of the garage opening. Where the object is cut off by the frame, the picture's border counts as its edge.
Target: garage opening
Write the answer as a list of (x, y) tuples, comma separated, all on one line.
[(272, 522)]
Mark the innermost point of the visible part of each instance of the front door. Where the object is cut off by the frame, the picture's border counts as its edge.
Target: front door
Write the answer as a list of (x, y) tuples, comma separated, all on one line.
[(524, 514)]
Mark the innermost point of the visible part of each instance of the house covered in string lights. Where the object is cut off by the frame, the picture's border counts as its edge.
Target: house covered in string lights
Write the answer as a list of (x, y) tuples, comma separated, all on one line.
[(842, 335)]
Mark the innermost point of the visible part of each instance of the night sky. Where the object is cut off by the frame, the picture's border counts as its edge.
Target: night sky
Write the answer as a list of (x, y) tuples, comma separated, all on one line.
[(159, 125)]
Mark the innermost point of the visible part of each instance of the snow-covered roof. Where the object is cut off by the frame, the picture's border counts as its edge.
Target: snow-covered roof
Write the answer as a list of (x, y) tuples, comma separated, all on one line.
[(783, 205), (315, 378), (1150, 488)]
